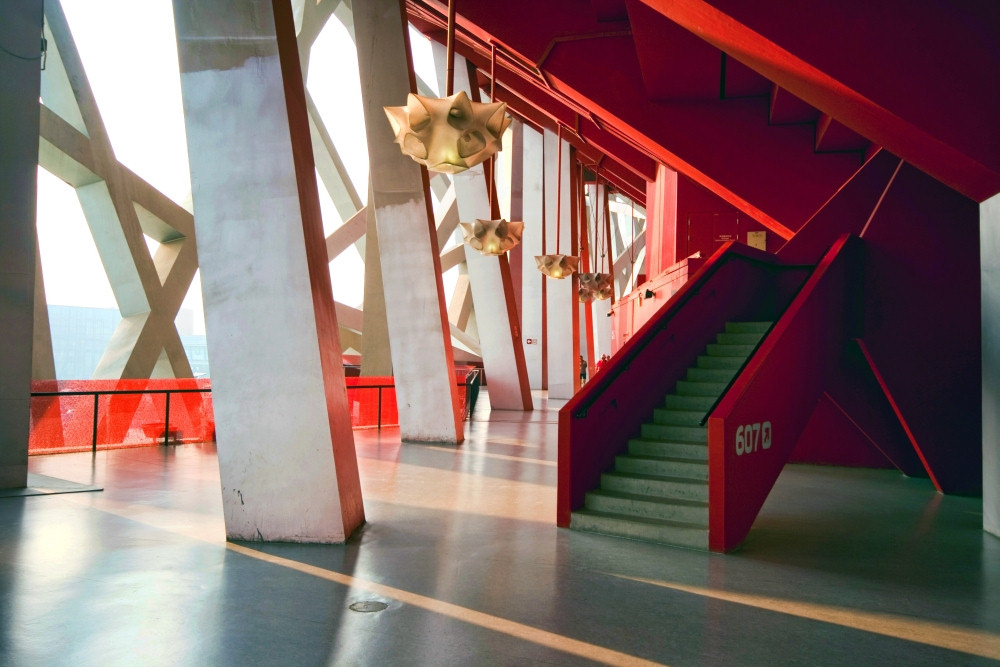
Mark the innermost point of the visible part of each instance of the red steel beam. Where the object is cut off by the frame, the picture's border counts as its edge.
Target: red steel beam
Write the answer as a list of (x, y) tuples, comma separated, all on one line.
[(912, 79)]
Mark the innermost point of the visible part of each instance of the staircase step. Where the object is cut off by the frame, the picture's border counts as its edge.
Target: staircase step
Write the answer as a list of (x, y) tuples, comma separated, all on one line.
[(701, 403), (713, 389), (648, 507), (662, 467), (677, 417), (674, 533), (732, 363), (710, 374), (670, 433), (748, 327), (667, 449), (658, 490), (648, 485), (717, 350), (738, 338)]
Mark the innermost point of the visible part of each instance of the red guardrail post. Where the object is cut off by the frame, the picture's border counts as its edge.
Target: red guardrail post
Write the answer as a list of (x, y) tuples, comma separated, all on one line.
[(93, 443), (166, 421)]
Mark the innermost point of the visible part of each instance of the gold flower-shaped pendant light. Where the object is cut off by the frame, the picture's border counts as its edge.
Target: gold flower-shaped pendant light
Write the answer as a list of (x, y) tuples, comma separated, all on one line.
[(492, 237), (448, 134), (595, 286), (557, 266)]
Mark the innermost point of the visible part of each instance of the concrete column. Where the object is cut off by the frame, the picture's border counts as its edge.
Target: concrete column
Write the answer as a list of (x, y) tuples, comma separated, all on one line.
[(286, 448), (43, 362), (532, 280), (561, 313), (600, 310), (602, 328), (492, 290), (416, 311), (989, 248), (510, 187), (376, 356), (661, 221), (20, 83)]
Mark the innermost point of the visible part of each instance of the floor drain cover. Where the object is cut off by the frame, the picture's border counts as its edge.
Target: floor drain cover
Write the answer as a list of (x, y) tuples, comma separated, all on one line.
[(368, 606)]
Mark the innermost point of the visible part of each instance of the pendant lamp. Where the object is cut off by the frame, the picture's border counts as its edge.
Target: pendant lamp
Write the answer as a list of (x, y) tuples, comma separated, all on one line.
[(595, 286), (492, 237), (557, 266), (448, 134)]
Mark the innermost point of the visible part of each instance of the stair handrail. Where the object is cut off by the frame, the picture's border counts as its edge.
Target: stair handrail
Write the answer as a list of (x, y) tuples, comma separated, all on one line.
[(749, 357), (732, 380), (619, 362)]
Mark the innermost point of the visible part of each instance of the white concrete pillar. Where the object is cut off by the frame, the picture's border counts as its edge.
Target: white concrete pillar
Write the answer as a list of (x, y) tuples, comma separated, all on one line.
[(600, 311), (510, 188), (989, 249), (561, 313), (416, 311), (492, 291), (376, 355), (531, 245), (19, 88), (286, 448), (43, 362)]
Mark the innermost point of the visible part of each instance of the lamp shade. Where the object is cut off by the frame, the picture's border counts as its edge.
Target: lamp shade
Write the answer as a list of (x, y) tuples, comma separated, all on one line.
[(595, 286), (492, 237), (557, 266), (448, 134)]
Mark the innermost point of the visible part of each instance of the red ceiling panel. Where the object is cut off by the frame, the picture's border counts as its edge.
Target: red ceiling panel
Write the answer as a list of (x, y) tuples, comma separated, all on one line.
[(913, 77), (675, 64), (786, 109)]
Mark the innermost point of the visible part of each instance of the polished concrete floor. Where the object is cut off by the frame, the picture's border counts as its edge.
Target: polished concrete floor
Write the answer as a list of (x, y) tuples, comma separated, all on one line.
[(842, 568)]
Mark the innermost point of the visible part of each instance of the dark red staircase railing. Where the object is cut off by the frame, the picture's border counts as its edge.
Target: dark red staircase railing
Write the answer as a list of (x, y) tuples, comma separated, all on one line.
[(754, 427), (736, 283)]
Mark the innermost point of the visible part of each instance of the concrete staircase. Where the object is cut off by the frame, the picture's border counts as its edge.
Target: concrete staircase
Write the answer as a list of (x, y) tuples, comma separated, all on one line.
[(658, 489)]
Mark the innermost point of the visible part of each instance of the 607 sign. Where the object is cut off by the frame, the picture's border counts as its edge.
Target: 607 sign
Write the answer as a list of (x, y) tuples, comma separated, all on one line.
[(751, 437)]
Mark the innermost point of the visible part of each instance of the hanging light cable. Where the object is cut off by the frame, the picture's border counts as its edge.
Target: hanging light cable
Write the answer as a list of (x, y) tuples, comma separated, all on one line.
[(449, 85), (631, 248), (558, 185), (452, 133), (585, 286), (493, 92), (608, 243), (558, 265), (606, 253), (595, 284), (494, 236)]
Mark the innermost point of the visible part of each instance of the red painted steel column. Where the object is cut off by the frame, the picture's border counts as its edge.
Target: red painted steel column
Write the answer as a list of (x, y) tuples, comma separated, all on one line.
[(661, 221)]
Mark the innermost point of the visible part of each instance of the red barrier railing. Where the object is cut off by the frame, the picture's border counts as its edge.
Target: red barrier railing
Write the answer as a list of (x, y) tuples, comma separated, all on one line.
[(81, 415), (736, 283), (372, 399), (753, 429), (77, 415)]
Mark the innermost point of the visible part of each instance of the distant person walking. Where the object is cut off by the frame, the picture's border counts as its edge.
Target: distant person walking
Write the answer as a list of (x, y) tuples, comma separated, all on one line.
[(602, 361)]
